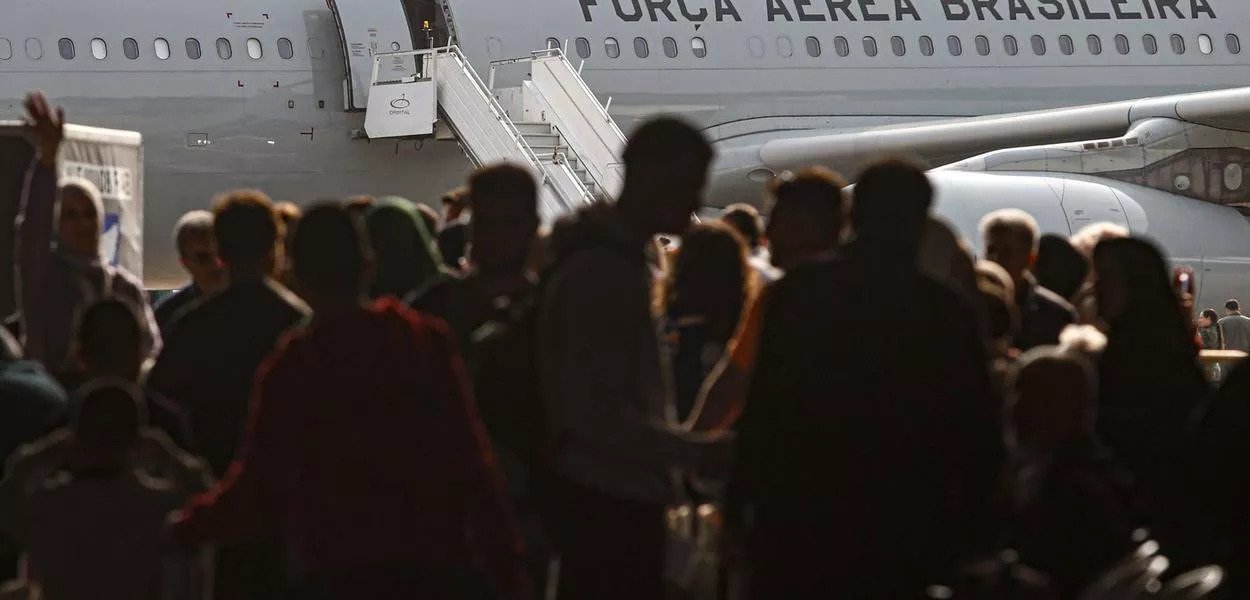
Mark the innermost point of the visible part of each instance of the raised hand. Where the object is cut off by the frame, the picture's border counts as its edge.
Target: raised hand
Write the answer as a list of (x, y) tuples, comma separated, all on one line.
[(45, 126)]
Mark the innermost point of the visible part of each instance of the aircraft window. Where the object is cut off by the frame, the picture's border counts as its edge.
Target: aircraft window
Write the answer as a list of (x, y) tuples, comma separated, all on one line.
[(583, 47), (1150, 44), (161, 47), (130, 48), (34, 49), (670, 47), (254, 50), (813, 46), (1095, 44), (1204, 44), (785, 47), (898, 46), (1234, 43), (841, 46), (641, 48), (983, 45), (699, 47), (611, 47), (870, 45), (1066, 46), (224, 50), (193, 49), (755, 46), (926, 45), (1039, 45), (1121, 44), (553, 43), (955, 46), (1010, 45), (66, 46), (1178, 43), (285, 49), (6, 49), (99, 49)]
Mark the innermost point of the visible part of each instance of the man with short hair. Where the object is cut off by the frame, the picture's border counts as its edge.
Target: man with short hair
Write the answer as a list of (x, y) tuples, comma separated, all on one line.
[(1011, 237), (1236, 327), (603, 379), (409, 501), (209, 364), (746, 220), (197, 252)]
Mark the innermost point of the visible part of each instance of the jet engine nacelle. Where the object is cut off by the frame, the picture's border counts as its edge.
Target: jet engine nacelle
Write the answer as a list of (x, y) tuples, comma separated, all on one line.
[(1213, 240)]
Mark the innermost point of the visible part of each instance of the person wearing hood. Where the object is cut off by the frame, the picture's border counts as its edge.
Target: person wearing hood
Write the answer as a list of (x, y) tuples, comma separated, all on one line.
[(407, 258), (60, 269), (603, 380)]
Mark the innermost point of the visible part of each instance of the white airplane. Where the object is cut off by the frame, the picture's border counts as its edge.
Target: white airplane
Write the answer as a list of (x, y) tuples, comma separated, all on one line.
[(1075, 110)]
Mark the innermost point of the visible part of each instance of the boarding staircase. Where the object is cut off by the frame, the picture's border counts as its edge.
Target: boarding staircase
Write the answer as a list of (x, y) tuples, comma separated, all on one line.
[(552, 123)]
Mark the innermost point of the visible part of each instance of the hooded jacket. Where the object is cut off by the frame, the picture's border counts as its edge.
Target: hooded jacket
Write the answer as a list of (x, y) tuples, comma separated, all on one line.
[(54, 286), (602, 377)]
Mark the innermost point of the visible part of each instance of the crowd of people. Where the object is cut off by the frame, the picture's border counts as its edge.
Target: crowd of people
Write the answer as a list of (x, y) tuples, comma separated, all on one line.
[(364, 398)]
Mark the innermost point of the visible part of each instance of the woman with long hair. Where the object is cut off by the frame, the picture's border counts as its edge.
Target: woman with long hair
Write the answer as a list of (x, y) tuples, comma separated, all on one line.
[(704, 294)]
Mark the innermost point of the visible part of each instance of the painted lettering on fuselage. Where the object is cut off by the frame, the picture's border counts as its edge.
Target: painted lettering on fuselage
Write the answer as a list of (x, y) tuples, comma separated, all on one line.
[(701, 11)]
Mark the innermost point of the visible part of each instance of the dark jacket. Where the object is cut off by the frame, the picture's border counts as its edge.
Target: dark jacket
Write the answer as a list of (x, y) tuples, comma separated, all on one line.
[(170, 307), (1043, 315), (868, 450)]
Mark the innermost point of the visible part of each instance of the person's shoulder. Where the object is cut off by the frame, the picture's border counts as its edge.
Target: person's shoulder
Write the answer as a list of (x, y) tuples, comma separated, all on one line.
[(1051, 301), (29, 381)]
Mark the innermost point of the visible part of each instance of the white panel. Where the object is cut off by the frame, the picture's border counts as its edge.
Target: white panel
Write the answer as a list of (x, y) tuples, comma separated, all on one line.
[(401, 109)]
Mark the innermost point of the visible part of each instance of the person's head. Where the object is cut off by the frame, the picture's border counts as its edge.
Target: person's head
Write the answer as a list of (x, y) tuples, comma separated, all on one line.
[(1208, 318), (455, 203), (505, 217), (1088, 238), (890, 209), (402, 248), (1060, 268), (288, 216), (1010, 237), (80, 214), (331, 258), (666, 164), (1053, 398), (807, 215), (999, 297), (1133, 285), (246, 229), (108, 415), (709, 277), (197, 250), (746, 220), (359, 205), (453, 245), (1232, 307), (109, 340)]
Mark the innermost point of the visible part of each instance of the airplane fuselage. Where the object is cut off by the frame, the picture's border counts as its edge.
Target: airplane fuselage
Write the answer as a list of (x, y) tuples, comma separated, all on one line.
[(746, 70)]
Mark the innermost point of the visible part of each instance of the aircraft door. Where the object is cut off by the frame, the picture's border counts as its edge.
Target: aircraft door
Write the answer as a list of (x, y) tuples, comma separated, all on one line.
[(366, 28)]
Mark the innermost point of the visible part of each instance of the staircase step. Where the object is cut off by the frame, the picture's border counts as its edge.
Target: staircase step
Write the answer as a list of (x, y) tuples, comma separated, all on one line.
[(533, 127)]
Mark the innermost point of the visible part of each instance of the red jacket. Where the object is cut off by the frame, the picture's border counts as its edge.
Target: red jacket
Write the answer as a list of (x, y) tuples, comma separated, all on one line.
[(366, 446)]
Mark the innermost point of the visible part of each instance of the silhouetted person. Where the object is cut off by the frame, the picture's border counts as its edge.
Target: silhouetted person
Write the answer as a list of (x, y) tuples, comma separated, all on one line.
[(407, 258), (455, 205), (31, 404), (108, 344), (288, 217), (90, 502), (1236, 327), (603, 377), (60, 269), (415, 502), (453, 245), (1084, 242), (197, 252), (705, 293), (1150, 383), (868, 451), (430, 218), (359, 205), (210, 362), (1073, 513), (1212, 336), (1011, 238), (1060, 268), (808, 219), (746, 220)]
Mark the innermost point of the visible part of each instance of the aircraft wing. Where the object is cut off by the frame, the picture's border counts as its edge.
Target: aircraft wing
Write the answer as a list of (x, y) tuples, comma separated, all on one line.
[(942, 142)]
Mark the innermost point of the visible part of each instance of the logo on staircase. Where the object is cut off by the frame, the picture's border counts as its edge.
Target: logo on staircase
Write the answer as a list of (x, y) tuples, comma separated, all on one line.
[(400, 103)]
